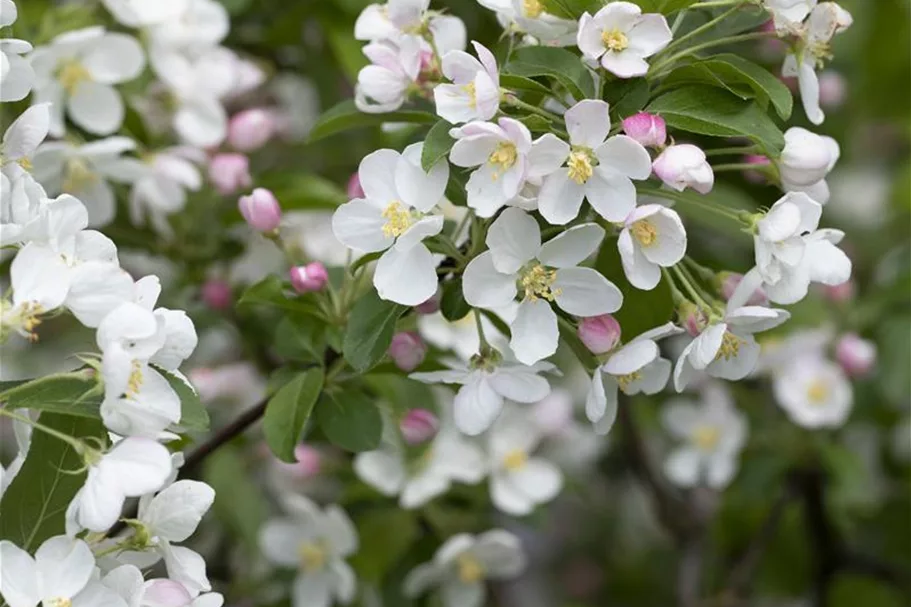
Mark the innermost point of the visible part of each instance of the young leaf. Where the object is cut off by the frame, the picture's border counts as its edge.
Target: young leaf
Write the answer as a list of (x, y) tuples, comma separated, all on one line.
[(35, 503), (289, 410), (350, 420), (371, 325), (521, 83), (711, 111), (346, 116), (626, 97), (557, 63), (436, 145), (273, 291), (300, 338), (452, 302), (193, 414), (66, 394)]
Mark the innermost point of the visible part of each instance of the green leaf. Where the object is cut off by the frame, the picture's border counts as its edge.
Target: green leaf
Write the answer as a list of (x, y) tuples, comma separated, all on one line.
[(289, 410), (371, 325), (193, 414), (571, 9), (452, 302), (35, 503), (300, 338), (664, 6), (641, 310), (536, 123), (350, 420), (626, 97), (557, 63), (239, 502), (727, 70), (436, 145), (385, 538), (273, 291), (346, 116), (66, 393), (303, 191), (711, 111), (521, 83)]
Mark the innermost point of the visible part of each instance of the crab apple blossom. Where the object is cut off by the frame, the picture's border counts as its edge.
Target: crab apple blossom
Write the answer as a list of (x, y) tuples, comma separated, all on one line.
[(647, 129), (230, 173), (76, 71), (395, 217), (631, 368), (193, 28), (162, 188), (486, 382), (814, 392), (729, 283), (857, 356), (217, 294), (547, 273), (20, 141), (682, 166), (316, 542), (309, 277), (506, 158), (531, 17), (825, 20), (419, 426), (462, 564), (712, 434), (621, 38), (779, 240), (805, 161), (250, 129), (652, 238), (726, 348), (599, 333), (397, 18), (519, 481), (384, 85), (788, 15), (596, 167), (475, 90), (407, 350), (261, 210), (16, 74)]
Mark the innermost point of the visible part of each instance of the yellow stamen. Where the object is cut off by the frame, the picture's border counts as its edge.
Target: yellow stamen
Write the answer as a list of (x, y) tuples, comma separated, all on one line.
[(614, 40), (398, 219), (23, 319), (730, 346), (312, 556), (515, 460), (645, 232), (470, 570), (580, 166), (537, 281), (59, 602), (71, 75), (625, 380), (817, 392), (532, 8), (472, 94), (706, 437), (78, 176), (25, 163), (503, 157), (134, 383), (821, 52)]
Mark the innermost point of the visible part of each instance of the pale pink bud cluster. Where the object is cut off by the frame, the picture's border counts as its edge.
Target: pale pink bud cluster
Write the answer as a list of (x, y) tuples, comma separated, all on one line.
[(230, 173), (419, 426), (682, 166), (407, 350), (692, 318), (760, 161), (729, 282), (309, 278), (600, 334), (309, 461), (261, 210), (648, 129), (250, 129), (855, 354), (217, 294), (833, 89)]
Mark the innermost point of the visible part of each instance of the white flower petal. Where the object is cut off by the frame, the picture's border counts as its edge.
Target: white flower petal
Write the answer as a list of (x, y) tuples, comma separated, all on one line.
[(631, 358), (571, 247), (176, 511), (359, 225), (18, 576), (534, 331), (382, 470), (96, 107), (419, 189), (560, 198), (64, 566), (476, 405), (588, 123), (585, 292), (484, 286), (406, 277), (612, 195), (514, 239)]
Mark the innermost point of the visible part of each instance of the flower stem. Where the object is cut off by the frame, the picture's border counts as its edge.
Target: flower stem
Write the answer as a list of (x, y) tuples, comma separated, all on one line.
[(75, 443), (691, 289), (743, 149), (540, 111), (737, 166), (658, 70), (691, 200), (477, 319)]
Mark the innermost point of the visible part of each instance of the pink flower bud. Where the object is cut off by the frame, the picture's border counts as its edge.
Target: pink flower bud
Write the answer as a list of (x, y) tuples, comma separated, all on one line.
[(692, 318), (840, 293), (833, 89), (755, 176), (217, 294), (647, 129), (682, 166), (309, 278), (431, 306), (309, 462), (165, 593), (599, 333), (261, 210), (855, 354), (354, 187), (407, 350), (729, 282), (250, 129), (230, 173), (419, 426)]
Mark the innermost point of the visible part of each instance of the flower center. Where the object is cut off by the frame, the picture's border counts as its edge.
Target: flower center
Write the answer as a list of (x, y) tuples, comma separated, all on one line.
[(23, 319), (312, 556), (817, 392), (614, 40), (503, 157), (398, 219), (645, 232), (532, 8), (821, 52), (134, 383), (59, 602), (706, 437), (472, 94), (730, 346), (625, 380), (538, 281), (78, 176), (515, 460), (71, 75), (580, 166), (470, 569)]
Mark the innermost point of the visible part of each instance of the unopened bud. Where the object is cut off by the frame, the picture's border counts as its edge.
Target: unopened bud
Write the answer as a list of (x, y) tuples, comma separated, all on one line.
[(855, 354), (600, 334), (309, 278), (840, 293), (354, 187), (250, 129), (230, 173), (419, 426), (165, 593), (217, 294), (755, 176), (691, 318), (431, 306), (682, 166), (309, 461), (648, 129), (407, 350), (261, 210), (729, 282)]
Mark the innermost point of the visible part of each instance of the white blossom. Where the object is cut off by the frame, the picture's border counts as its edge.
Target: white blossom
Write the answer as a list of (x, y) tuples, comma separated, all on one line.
[(653, 237), (805, 161), (396, 18), (620, 37), (814, 392), (188, 27), (384, 85), (531, 18), (475, 90), (162, 188), (16, 74), (20, 141), (788, 15)]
